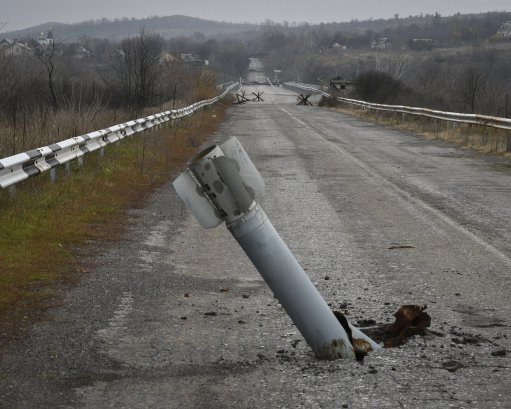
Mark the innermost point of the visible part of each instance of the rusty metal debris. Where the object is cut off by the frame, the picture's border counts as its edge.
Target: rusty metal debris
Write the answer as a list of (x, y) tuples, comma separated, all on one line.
[(410, 320), (361, 346)]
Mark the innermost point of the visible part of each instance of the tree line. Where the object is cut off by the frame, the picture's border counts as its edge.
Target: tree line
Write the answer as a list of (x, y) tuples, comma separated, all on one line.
[(50, 92), (466, 68)]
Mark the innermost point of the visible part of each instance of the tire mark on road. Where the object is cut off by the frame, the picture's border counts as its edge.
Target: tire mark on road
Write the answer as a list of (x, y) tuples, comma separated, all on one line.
[(119, 320)]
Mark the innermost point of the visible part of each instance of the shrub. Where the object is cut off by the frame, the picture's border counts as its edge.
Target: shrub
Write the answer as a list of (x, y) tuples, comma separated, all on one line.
[(379, 87)]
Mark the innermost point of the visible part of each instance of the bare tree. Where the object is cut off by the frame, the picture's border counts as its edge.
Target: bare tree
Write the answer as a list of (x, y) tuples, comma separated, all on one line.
[(12, 73), (472, 82), (47, 56), (138, 67)]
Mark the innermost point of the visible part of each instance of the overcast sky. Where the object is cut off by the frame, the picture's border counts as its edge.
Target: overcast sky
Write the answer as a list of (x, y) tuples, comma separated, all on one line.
[(25, 13)]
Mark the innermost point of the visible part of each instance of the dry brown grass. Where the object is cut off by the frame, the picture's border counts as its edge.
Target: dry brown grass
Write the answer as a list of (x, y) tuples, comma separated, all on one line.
[(46, 126), (45, 226), (481, 139)]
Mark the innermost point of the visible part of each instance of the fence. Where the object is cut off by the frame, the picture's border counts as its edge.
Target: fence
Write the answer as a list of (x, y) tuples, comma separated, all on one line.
[(483, 120), (22, 166)]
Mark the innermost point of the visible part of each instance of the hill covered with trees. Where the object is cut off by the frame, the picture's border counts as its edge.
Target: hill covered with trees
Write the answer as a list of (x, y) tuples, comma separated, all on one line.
[(117, 29)]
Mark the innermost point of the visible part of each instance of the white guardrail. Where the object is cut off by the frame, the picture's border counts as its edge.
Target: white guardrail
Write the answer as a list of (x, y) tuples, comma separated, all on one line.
[(22, 166), (483, 120)]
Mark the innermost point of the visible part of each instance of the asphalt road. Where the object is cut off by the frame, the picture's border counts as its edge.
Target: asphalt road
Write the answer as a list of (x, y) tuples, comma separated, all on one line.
[(174, 316), (255, 71)]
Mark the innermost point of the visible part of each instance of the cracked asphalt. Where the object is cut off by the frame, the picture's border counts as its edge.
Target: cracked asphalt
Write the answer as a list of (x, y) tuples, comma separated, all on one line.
[(174, 316)]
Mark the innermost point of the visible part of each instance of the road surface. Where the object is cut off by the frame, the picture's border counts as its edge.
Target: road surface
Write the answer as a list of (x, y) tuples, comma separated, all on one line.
[(174, 316), (255, 72)]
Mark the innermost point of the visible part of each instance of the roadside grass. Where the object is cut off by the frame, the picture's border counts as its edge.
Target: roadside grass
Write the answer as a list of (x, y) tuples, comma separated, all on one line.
[(481, 139), (45, 226), (46, 126)]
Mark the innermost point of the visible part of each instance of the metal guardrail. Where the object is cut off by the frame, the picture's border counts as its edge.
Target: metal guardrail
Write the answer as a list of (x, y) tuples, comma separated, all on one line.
[(476, 119), (22, 166)]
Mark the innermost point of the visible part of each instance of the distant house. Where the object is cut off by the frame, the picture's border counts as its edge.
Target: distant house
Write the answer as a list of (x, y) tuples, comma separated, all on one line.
[(338, 47), (504, 30), (81, 52), (189, 57), (46, 40), (382, 43), (12, 47), (166, 57), (193, 59)]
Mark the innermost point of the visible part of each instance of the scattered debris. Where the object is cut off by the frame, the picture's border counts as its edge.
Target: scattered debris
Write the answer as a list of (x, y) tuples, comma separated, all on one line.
[(467, 339), (241, 322), (245, 296), (452, 366), (410, 320), (184, 318), (211, 313), (400, 246), (223, 290), (327, 278), (464, 338), (187, 295), (366, 323), (499, 352)]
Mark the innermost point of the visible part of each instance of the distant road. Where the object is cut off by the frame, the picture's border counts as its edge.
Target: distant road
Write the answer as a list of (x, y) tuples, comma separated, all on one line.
[(176, 317), (255, 71)]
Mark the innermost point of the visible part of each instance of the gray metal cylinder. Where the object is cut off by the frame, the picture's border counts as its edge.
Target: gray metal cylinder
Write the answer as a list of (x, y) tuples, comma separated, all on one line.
[(223, 187), (291, 285)]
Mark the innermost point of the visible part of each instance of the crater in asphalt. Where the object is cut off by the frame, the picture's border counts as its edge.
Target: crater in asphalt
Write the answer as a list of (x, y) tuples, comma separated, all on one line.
[(410, 320)]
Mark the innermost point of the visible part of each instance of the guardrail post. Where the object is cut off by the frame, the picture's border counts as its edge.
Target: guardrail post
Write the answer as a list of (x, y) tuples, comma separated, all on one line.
[(80, 161), (221, 185), (68, 168), (484, 137), (102, 152), (53, 175), (12, 191)]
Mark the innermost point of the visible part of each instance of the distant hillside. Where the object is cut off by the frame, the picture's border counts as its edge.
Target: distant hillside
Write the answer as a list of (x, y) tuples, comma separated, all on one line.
[(168, 27), (417, 23)]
